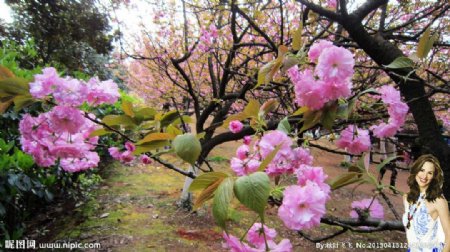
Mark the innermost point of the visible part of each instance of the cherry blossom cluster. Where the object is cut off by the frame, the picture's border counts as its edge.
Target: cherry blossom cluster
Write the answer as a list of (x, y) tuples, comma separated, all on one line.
[(357, 141), (303, 204), (235, 126), (286, 160), (329, 81), (207, 38), (63, 134), (127, 156), (256, 241), (397, 111), (73, 92), (354, 140)]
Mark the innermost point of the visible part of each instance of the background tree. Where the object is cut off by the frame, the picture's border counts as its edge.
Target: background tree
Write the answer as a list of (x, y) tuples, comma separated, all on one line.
[(224, 43), (72, 33)]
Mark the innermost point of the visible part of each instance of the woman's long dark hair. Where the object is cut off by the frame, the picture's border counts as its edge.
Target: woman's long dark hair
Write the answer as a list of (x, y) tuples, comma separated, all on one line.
[(434, 189)]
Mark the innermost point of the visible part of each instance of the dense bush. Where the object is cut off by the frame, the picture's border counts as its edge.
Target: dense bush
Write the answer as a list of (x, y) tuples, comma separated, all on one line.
[(25, 187)]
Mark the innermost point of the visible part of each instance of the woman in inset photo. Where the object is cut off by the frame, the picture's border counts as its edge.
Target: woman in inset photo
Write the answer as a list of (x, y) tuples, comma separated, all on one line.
[(426, 216)]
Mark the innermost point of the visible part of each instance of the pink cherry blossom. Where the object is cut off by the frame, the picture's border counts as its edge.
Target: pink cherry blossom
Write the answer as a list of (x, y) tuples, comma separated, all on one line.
[(308, 90), (397, 111), (312, 174), (354, 140), (317, 48), (66, 150), (375, 211), (100, 92), (256, 234), (236, 126), (301, 156), (284, 246), (70, 92), (331, 4), (389, 94), (126, 157), (64, 118), (281, 163), (145, 159), (114, 152), (302, 206), (384, 130), (244, 167), (334, 90), (335, 64), (130, 146), (234, 245), (247, 140), (44, 84), (242, 152), (271, 140)]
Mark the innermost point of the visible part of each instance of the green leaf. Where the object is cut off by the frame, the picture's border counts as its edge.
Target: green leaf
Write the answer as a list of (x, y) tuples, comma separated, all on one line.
[(14, 86), (100, 132), (268, 107), (124, 120), (264, 74), (155, 137), (5, 73), (208, 193), (385, 162), (425, 43), (146, 147), (22, 101), (269, 158), (168, 118), (345, 179), (289, 61), (171, 129), (369, 178), (187, 147), (145, 113), (253, 191), (401, 62), (200, 135), (186, 120), (343, 111), (252, 108), (127, 108), (329, 115), (206, 179), (222, 199), (284, 126), (300, 111), (311, 118), (5, 104), (297, 38)]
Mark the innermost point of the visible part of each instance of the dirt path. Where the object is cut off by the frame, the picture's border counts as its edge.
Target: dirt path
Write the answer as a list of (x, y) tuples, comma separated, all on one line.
[(134, 210)]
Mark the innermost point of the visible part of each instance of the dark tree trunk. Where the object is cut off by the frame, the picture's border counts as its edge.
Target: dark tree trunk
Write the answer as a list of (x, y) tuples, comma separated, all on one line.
[(383, 53)]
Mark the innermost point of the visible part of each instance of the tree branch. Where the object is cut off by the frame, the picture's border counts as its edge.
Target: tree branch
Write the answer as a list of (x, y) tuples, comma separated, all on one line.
[(376, 225), (321, 11), (256, 27), (367, 8)]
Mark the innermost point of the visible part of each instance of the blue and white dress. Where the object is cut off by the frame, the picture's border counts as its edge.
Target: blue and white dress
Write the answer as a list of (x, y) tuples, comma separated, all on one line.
[(424, 233)]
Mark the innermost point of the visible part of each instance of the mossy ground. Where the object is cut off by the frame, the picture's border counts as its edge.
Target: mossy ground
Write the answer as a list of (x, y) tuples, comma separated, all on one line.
[(135, 209)]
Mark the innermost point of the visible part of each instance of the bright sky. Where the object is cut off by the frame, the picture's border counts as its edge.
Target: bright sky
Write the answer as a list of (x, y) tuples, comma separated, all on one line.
[(5, 12)]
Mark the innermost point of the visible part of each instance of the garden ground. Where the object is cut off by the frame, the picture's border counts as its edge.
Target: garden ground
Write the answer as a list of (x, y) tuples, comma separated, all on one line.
[(134, 209)]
